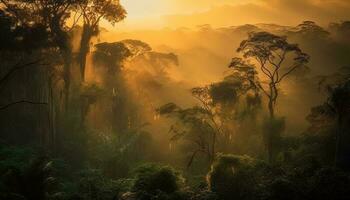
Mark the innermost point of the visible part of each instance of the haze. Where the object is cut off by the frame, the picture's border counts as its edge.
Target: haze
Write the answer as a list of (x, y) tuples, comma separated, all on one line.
[(174, 99), (189, 13)]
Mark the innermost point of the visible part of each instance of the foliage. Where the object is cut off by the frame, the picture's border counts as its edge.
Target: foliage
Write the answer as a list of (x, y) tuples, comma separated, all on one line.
[(116, 155), (15, 157), (92, 12), (311, 29), (29, 178), (137, 47), (92, 184), (76, 161), (232, 177), (221, 104), (157, 182), (112, 54), (95, 10)]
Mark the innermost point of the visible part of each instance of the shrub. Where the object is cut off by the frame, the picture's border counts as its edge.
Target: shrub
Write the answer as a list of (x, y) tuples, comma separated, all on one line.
[(92, 184), (234, 177), (158, 182)]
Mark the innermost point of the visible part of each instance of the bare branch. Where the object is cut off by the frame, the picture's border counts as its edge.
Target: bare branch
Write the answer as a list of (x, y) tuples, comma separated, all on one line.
[(287, 73), (277, 65), (263, 68), (265, 92), (75, 21), (22, 102), (16, 68), (192, 158)]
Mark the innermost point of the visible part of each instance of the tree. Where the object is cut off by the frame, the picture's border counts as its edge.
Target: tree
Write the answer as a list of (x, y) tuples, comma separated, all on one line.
[(151, 179), (93, 11), (338, 102), (109, 58), (333, 116), (118, 65), (341, 30), (9, 74), (203, 125), (53, 15), (235, 177), (311, 30), (270, 54), (196, 126)]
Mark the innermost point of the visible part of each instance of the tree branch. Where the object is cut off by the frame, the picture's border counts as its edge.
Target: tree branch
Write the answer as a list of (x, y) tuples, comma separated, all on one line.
[(265, 92), (287, 73), (14, 69), (192, 158), (263, 68), (22, 102)]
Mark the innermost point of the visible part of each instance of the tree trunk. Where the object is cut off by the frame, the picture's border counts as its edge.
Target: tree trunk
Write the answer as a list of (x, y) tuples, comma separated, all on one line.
[(271, 145), (83, 52), (271, 109), (61, 38), (212, 159), (342, 149), (66, 78), (84, 48)]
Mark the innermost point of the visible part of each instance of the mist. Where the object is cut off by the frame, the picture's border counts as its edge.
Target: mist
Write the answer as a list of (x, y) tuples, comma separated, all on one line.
[(174, 100)]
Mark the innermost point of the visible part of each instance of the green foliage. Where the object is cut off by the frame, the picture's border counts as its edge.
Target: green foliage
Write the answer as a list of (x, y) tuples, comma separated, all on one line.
[(116, 155), (15, 157), (96, 164), (329, 183), (92, 184), (157, 182), (234, 177), (32, 180), (237, 177), (204, 195)]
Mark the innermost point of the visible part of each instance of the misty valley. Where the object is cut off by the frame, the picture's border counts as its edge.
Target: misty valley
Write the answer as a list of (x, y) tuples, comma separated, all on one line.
[(257, 111)]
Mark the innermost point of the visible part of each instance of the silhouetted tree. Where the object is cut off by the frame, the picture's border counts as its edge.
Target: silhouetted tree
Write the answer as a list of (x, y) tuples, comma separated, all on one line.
[(93, 11), (53, 15), (111, 57), (341, 30), (338, 102), (196, 126), (310, 29), (270, 53), (219, 103)]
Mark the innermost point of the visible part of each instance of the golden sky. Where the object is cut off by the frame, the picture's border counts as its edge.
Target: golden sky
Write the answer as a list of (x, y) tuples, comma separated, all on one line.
[(150, 8), (176, 13)]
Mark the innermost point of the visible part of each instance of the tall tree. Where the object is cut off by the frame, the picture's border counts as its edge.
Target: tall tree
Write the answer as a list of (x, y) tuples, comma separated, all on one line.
[(332, 119), (93, 11), (276, 59), (53, 15), (338, 101), (110, 57), (270, 52)]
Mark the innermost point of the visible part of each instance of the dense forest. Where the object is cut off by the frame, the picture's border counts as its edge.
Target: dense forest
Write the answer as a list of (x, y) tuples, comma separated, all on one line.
[(250, 112)]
